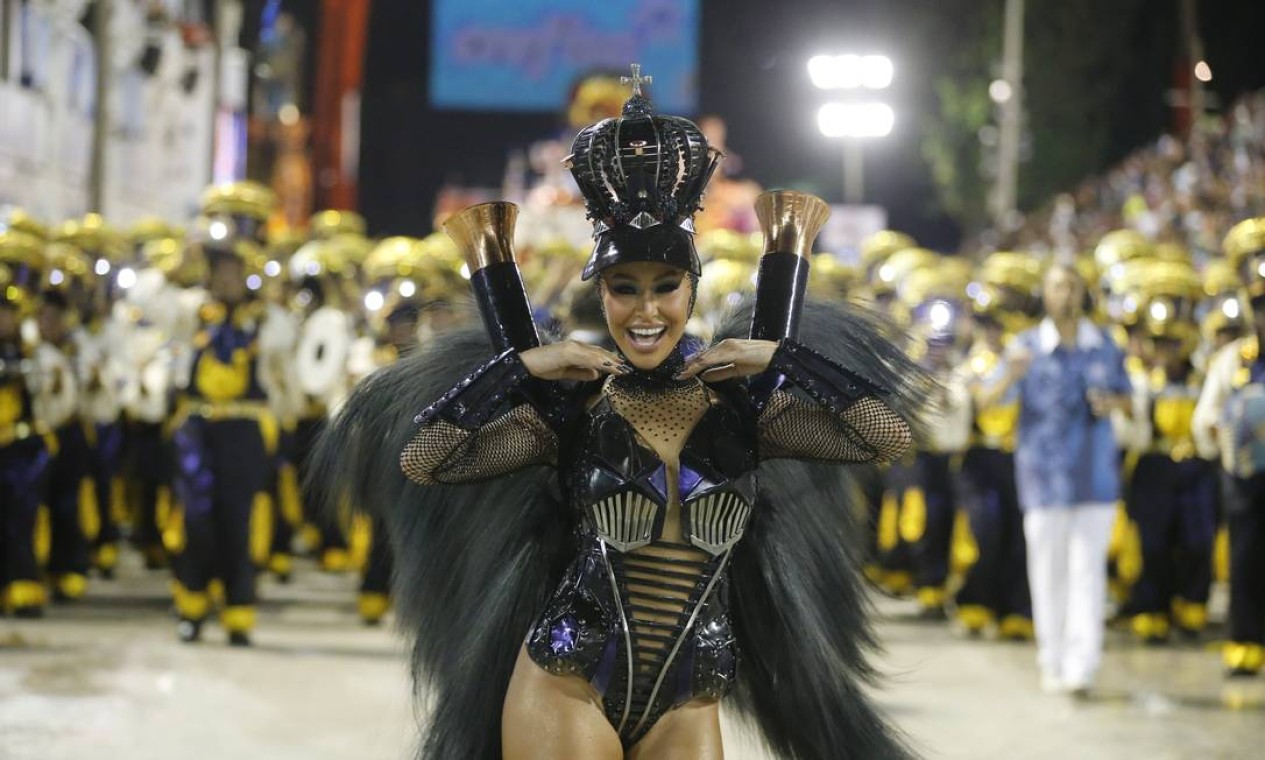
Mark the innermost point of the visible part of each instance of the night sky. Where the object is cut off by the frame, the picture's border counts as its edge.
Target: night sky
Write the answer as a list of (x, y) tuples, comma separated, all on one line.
[(752, 72)]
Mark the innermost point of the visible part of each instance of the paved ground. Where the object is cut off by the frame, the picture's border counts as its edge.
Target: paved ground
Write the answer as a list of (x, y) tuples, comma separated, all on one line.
[(106, 679)]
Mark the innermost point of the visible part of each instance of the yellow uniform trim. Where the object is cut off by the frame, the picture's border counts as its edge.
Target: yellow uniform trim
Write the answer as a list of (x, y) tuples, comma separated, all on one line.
[(288, 492), (72, 585), (215, 589), (372, 606), (107, 556), (932, 596), (89, 516), (269, 428), (238, 619), (1240, 656), (261, 528), (889, 522), (335, 560), (280, 564), (975, 617), (25, 594), (1190, 616), (1221, 555), (173, 532), (192, 605), (913, 515), (965, 550), (360, 541), (1016, 627), (42, 538), (1149, 626)]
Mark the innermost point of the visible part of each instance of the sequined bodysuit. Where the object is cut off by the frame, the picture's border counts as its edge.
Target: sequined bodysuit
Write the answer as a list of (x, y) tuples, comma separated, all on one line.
[(661, 476)]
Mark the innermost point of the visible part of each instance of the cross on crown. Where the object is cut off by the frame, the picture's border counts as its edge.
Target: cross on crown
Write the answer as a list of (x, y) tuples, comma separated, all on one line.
[(636, 80)]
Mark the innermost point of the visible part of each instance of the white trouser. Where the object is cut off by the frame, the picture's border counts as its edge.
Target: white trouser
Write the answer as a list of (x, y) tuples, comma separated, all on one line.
[(1067, 572)]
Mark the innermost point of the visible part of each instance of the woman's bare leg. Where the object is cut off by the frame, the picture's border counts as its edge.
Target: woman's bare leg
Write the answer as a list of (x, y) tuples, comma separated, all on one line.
[(548, 717), (689, 732)]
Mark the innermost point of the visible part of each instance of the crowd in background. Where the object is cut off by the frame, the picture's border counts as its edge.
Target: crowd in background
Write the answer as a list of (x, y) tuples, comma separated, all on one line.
[(161, 388)]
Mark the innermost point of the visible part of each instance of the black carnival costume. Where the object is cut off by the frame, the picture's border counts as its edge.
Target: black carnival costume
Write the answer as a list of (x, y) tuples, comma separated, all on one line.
[(543, 510)]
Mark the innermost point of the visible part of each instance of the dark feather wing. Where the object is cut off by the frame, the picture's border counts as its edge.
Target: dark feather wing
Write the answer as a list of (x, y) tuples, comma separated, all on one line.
[(473, 563), (799, 603)]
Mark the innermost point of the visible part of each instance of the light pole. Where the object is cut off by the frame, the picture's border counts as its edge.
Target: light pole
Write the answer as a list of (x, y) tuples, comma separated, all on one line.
[(854, 120), (1008, 93)]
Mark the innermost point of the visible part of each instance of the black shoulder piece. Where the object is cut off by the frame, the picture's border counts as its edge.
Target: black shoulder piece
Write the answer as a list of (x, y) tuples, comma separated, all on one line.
[(478, 396), (827, 382)]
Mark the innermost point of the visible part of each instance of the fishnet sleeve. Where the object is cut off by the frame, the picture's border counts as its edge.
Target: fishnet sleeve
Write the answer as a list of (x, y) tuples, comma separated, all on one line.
[(442, 452), (866, 431)]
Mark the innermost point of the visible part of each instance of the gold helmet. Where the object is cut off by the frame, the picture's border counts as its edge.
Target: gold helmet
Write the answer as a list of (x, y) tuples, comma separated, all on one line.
[(331, 222), (1224, 320), (829, 279), (597, 97), (730, 245), (1007, 289), (18, 220), (66, 267), (931, 304), (1244, 247), (168, 255), (1220, 277), (722, 285), (876, 248), (325, 257), (243, 207), (152, 228), (1168, 293), (899, 264), (95, 237), (1120, 246), (1173, 251), (21, 249), (21, 259)]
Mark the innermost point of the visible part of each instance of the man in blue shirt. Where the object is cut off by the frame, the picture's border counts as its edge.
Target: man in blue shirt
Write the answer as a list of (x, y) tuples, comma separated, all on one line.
[(1070, 377)]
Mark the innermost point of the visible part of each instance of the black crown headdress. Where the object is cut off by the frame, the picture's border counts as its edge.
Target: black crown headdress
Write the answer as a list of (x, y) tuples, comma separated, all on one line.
[(642, 176)]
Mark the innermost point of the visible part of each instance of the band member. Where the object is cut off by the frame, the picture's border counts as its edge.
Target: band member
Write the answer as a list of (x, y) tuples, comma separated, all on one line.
[(1227, 421)]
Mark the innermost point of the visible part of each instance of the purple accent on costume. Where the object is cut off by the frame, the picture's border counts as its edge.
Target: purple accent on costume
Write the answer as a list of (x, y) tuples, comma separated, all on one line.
[(688, 480), (659, 480), (563, 635), (606, 666), (194, 480)]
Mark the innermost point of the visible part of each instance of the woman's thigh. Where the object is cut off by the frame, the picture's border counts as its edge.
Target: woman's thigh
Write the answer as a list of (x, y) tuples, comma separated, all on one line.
[(689, 732), (548, 717)]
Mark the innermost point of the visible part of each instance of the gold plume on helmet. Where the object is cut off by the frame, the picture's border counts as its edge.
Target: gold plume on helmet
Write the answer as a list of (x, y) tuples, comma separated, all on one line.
[(597, 97), (18, 220), (876, 248), (330, 222), (21, 248), (1244, 246), (1168, 294), (730, 245), (247, 198), (829, 279), (722, 284), (1244, 238), (95, 237), (1119, 246), (1220, 277), (152, 228)]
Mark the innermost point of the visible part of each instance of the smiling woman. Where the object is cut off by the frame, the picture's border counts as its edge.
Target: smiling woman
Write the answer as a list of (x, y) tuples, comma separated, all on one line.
[(612, 624), (647, 306)]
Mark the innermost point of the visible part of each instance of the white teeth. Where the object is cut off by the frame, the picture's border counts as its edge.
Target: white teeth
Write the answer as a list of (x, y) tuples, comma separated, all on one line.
[(647, 332)]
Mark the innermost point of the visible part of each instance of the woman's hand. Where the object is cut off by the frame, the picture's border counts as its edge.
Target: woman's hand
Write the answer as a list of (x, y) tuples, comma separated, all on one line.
[(571, 360), (730, 358)]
